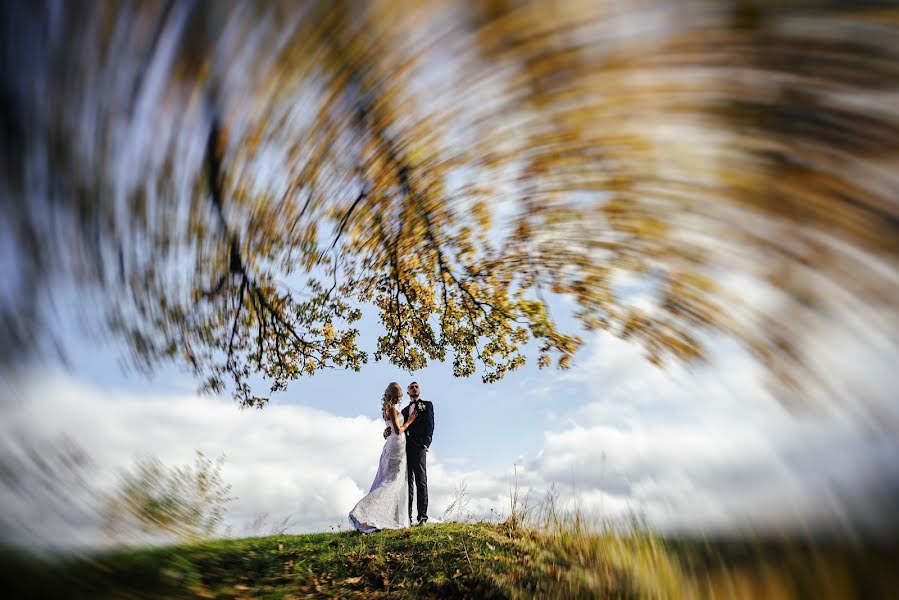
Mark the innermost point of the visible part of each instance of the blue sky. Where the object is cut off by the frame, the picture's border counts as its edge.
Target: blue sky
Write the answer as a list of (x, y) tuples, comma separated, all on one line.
[(490, 425)]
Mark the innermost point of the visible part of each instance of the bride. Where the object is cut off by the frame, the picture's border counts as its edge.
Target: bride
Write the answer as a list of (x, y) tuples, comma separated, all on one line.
[(387, 504)]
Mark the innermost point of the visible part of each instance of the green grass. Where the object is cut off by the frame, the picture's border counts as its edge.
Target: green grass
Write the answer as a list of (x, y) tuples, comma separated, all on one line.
[(456, 560), (440, 561)]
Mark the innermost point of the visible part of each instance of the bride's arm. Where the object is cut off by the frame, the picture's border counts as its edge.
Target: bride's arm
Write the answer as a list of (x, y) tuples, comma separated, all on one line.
[(396, 422)]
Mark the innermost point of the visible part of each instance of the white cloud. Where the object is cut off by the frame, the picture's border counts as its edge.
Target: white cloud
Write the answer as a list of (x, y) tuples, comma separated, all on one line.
[(284, 460), (710, 446), (702, 448)]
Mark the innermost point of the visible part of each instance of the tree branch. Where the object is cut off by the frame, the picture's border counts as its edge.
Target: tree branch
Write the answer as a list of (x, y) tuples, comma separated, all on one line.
[(240, 294)]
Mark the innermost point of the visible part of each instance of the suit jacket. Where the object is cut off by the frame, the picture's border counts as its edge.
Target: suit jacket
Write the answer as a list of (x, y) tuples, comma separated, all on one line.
[(422, 430)]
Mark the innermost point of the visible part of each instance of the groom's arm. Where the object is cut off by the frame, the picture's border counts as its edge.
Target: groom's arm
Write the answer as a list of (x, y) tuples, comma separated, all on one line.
[(430, 422)]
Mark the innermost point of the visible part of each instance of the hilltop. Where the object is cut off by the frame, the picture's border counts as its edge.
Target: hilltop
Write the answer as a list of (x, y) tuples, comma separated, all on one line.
[(466, 560), (447, 560)]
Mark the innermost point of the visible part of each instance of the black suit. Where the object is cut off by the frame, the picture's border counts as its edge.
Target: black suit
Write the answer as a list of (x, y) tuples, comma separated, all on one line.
[(418, 439)]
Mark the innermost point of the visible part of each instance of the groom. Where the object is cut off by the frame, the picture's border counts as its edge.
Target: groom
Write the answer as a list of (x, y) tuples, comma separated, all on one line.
[(418, 438)]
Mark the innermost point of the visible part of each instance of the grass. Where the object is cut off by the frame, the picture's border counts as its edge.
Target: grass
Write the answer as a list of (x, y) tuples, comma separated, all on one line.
[(777, 567), (451, 560), (463, 560)]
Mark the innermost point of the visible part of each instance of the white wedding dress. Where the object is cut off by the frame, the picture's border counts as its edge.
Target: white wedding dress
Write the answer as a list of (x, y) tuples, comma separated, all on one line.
[(387, 504)]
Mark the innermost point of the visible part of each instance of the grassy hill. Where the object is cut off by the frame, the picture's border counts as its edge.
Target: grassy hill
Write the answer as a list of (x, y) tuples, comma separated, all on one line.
[(448, 560), (457, 560)]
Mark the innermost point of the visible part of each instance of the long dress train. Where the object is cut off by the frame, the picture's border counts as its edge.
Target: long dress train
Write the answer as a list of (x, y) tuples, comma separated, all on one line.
[(386, 506)]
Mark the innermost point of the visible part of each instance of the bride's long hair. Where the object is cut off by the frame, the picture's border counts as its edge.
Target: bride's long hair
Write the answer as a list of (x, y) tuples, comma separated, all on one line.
[(392, 395)]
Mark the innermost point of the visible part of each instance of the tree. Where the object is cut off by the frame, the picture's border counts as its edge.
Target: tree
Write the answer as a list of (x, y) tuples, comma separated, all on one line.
[(308, 160), (187, 502)]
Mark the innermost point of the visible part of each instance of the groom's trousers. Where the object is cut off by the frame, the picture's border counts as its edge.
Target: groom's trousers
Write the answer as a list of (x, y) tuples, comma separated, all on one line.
[(416, 463)]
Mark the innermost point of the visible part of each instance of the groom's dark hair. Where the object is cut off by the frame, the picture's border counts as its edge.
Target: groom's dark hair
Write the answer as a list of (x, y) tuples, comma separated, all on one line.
[(415, 382)]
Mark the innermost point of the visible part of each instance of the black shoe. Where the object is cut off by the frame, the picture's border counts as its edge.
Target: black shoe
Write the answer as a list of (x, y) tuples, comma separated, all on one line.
[(421, 522)]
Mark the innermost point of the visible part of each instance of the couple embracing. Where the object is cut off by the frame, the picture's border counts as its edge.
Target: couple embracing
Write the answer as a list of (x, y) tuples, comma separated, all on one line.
[(402, 470)]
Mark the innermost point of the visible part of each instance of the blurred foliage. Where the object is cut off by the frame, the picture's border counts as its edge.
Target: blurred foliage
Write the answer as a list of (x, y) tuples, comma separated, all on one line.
[(185, 502), (234, 182)]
